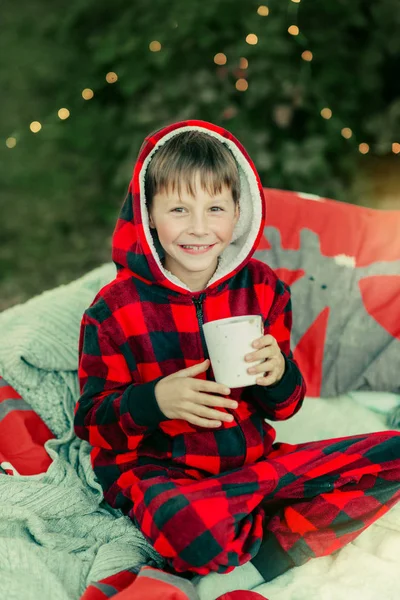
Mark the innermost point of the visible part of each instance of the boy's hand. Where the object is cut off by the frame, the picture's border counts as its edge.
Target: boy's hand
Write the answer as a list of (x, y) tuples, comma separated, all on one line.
[(273, 366), (182, 396)]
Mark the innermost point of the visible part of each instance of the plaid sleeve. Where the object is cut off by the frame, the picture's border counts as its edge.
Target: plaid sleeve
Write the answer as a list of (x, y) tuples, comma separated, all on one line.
[(284, 399), (112, 412)]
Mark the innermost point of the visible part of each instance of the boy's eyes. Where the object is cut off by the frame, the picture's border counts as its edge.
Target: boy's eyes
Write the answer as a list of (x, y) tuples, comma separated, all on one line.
[(181, 207)]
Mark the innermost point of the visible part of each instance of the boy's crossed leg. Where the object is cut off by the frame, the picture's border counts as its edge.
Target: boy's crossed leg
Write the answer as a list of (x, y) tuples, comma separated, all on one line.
[(303, 501)]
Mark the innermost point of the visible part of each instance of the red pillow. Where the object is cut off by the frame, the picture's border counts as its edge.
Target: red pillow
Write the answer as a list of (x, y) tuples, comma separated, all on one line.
[(22, 435), (342, 263)]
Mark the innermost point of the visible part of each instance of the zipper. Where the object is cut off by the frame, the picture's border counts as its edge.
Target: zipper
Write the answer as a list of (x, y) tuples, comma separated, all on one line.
[(198, 302)]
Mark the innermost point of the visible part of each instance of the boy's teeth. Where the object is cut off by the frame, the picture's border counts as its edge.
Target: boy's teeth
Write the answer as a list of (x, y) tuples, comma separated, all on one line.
[(195, 247)]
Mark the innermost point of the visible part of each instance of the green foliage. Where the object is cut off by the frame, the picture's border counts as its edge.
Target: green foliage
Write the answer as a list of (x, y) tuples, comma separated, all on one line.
[(76, 172)]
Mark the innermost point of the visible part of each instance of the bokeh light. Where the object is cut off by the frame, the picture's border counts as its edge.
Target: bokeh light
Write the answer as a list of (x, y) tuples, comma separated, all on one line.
[(87, 94), (63, 113), (252, 39), (220, 59), (307, 55), (326, 113), (35, 126), (241, 85), (11, 142), (346, 132), (155, 46), (293, 30), (111, 77)]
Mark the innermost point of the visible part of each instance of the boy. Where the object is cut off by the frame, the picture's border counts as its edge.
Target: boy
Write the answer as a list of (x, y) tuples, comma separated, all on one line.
[(192, 463)]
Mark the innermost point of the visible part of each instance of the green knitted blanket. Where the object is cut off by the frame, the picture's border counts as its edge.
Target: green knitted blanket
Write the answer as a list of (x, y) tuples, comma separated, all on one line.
[(56, 533)]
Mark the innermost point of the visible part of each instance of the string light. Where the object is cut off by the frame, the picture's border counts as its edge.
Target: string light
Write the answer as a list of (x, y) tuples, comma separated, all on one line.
[(229, 112), (111, 77), (307, 55), (252, 39), (220, 59), (241, 85), (87, 94), (63, 113), (155, 46), (346, 132), (35, 126), (326, 113)]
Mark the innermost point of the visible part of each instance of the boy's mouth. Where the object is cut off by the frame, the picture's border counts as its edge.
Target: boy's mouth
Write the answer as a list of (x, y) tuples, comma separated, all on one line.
[(196, 248)]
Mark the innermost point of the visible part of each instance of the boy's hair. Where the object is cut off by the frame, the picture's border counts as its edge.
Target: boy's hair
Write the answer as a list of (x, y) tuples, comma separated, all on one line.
[(178, 160)]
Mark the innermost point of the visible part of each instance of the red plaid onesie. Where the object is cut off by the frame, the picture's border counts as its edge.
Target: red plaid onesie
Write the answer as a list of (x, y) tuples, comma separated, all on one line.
[(212, 499)]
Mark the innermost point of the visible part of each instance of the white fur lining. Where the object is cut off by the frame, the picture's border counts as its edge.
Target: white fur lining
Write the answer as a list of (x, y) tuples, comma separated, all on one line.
[(247, 227)]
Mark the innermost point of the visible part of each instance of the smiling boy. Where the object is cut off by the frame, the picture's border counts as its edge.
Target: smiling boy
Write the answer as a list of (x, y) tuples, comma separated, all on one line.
[(194, 232), (193, 464)]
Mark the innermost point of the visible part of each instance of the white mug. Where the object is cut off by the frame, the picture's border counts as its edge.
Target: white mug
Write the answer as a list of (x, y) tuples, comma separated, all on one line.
[(228, 341)]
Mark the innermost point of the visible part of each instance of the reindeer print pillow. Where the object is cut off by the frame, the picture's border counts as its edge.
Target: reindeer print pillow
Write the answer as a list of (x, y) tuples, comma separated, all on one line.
[(342, 263)]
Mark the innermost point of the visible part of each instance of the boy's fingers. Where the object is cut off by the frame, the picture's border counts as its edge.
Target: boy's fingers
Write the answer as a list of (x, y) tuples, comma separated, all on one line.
[(211, 387), (212, 414), (268, 379), (193, 369), (203, 422), (209, 400), (265, 340)]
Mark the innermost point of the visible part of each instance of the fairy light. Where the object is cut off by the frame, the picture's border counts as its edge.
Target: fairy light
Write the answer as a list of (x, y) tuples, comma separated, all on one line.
[(241, 85), (87, 94), (63, 113), (263, 11), (346, 132), (252, 39), (326, 113), (229, 112), (155, 46), (220, 58), (111, 77), (35, 126), (307, 55), (11, 142)]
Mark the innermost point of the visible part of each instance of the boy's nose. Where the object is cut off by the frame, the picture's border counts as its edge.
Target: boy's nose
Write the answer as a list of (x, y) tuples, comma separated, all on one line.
[(198, 225)]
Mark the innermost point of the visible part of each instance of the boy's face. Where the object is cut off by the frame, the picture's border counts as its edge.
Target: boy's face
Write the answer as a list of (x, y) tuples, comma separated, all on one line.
[(202, 220)]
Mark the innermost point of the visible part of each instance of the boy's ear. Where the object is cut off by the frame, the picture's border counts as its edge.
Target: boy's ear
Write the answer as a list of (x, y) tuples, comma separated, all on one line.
[(151, 222)]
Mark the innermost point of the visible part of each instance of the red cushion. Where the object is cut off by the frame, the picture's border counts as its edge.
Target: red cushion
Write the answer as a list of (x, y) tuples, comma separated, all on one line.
[(342, 245), (22, 435)]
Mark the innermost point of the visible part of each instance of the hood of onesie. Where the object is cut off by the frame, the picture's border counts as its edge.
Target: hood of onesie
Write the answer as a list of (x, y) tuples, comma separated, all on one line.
[(136, 250)]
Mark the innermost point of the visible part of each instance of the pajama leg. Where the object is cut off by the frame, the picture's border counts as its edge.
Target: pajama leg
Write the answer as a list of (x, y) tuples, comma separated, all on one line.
[(301, 501), (211, 524), (329, 492)]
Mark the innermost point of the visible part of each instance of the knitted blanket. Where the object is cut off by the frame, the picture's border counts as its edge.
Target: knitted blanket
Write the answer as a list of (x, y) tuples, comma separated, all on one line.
[(56, 534)]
